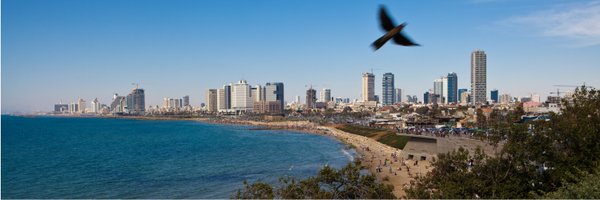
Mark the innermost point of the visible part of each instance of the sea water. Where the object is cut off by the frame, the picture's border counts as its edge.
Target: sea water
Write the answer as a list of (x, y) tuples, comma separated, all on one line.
[(56, 157)]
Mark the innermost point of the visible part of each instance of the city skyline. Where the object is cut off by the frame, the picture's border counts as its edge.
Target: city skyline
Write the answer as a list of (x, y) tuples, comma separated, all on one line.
[(50, 54)]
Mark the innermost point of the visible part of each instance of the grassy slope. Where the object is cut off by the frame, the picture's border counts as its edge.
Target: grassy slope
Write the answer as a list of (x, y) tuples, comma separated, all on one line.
[(384, 136)]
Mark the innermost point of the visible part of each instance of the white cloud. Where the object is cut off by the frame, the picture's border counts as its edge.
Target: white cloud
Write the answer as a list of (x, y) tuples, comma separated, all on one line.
[(579, 23)]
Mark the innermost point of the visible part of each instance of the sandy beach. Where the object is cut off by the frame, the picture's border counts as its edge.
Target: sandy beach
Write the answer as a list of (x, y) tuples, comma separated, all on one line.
[(385, 162), (392, 168)]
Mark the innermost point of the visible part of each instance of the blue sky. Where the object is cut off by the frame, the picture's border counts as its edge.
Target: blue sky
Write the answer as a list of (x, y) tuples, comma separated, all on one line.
[(56, 50)]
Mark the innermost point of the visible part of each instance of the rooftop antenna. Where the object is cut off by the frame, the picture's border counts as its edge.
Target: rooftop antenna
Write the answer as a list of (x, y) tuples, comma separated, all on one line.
[(374, 69)]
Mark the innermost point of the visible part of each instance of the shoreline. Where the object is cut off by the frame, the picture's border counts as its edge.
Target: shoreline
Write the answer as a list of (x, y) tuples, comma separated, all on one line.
[(384, 162)]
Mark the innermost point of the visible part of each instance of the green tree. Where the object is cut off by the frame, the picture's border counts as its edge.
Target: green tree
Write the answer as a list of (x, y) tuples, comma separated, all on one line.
[(545, 157), (588, 187), (345, 183)]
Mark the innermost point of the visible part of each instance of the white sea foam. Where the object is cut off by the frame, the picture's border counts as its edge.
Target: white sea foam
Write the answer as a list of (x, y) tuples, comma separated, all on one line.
[(348, 154)]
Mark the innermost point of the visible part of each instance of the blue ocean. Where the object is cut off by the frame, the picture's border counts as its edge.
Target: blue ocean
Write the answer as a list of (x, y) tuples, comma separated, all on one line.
[(55, 157)]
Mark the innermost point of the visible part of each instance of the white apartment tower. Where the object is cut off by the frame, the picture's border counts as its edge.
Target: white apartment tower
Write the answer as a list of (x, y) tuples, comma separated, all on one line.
[(478, 77), (81, 105), (95, 105), (368, 87), (241, 97), (438, 89), (325, 95)]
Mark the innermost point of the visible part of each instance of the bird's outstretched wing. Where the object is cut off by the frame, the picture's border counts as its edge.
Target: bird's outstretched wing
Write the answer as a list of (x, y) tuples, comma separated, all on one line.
[(403, 40), (379, 42), (386, 22)]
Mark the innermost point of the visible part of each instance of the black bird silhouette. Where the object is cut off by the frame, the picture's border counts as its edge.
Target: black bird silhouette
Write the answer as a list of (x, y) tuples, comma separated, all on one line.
[(392, 30)]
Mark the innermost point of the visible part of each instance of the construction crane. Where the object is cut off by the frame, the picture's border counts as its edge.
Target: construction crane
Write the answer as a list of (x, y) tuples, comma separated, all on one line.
[(568, 85), (557, 93)]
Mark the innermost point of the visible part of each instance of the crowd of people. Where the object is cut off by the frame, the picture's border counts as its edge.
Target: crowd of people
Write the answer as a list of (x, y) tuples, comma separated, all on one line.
[(438, 132)]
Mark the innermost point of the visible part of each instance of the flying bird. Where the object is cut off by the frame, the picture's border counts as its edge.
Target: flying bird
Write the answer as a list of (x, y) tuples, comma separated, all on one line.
[(393, 32)]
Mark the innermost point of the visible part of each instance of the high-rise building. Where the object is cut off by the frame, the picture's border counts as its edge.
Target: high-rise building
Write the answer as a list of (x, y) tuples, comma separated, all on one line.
[(227, 98), (224, 98), (255, 93), (397, 95), (221, 100), (186, 100), (311, 98), (166, 102), (241, 101), (172, 104), (118, 105), (426, 97), (325, 95), (61, 108), (258, 93), (368, 87), (452, 88), (73, 107), (95, 106), (478, 77), (211, 100), (438, 86), (505, 98), (81, 105), (297, 99), (460, 91), (438, 89), (136, 102), (274, 92), (494, 95), (465, 97), (444, 89), (387, 89)]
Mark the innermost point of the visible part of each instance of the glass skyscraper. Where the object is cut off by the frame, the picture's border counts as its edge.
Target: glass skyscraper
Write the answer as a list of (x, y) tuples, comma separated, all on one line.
[(452, 92), (494, 95), (387, 95), (274, 92)]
